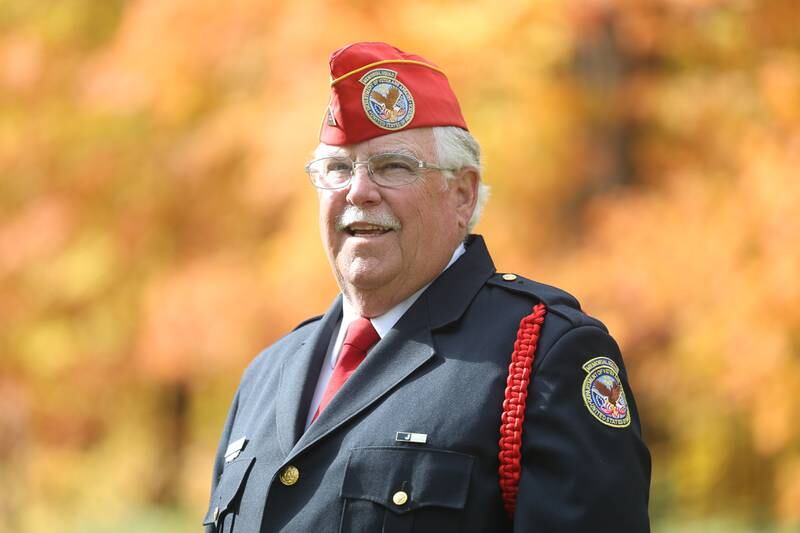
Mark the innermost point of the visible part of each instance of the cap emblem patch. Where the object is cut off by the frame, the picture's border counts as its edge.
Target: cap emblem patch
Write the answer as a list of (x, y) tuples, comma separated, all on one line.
[(603, 393), (329, 118), (387, 102)]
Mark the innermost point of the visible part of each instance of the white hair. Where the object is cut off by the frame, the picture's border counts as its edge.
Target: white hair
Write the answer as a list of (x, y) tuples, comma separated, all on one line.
[(457, 148)]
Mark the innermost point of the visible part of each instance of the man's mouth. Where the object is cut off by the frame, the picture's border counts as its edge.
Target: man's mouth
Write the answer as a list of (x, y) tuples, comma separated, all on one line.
[(358, 222), (360, 229)]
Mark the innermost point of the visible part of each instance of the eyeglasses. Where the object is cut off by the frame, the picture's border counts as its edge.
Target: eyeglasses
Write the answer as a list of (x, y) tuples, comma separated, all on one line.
[(386, 170)]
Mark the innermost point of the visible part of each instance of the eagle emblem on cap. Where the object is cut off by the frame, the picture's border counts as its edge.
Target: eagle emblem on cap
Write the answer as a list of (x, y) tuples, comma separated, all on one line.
[(603, 394), (386, 101)]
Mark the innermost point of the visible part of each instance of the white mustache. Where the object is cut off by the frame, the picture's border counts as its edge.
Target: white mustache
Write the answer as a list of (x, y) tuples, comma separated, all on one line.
[(353, 214)]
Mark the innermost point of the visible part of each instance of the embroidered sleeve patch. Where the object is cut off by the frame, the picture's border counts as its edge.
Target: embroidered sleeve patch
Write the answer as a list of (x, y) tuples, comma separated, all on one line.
[(603, 393)]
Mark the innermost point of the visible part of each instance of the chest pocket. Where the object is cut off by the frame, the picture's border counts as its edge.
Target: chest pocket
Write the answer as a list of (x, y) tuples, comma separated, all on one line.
[(399, 490), (225, 500)]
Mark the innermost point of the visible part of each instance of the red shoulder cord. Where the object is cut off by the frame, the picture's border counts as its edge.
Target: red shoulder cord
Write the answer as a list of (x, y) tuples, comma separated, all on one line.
[(519, 376)]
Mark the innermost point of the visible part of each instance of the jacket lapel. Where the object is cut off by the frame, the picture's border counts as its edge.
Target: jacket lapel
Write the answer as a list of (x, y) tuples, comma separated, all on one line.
[(299, 376), (403, 350)]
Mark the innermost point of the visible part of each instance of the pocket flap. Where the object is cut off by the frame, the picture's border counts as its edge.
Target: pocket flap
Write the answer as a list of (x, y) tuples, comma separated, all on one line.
[(229, 486), (428, 477)]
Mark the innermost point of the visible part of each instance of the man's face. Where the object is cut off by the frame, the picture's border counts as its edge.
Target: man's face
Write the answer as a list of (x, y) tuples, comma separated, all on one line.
[(392, 241)]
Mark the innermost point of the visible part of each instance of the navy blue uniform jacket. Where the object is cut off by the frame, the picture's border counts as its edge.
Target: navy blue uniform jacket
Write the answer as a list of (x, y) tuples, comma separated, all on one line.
[(441, 371)]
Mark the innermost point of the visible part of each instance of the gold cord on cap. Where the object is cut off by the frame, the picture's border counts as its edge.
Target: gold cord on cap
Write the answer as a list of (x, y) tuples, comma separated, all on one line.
[(385, 61)]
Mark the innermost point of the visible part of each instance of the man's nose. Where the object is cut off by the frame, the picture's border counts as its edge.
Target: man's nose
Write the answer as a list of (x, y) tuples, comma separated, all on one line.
[(362, 190)]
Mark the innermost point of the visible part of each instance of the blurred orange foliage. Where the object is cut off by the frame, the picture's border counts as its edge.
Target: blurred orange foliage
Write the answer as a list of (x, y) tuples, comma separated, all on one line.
[(156, 228)]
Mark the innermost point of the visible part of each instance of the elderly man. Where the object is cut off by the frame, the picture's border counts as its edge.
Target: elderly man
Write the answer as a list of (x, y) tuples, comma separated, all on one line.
[(435, 394)]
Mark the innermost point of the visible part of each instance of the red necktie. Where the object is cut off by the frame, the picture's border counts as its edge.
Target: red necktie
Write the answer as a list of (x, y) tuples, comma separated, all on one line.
[(360, 337)]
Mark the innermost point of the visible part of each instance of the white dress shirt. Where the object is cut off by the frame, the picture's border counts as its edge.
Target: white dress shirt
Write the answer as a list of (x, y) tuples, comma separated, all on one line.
[(382, 325)]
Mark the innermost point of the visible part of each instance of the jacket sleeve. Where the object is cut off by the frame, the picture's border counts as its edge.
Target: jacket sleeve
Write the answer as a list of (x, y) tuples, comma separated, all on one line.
[(579, 472), (219, 458)]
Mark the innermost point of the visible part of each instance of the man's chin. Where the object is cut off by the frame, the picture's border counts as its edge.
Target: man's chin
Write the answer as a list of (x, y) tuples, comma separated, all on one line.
[(366, 273)]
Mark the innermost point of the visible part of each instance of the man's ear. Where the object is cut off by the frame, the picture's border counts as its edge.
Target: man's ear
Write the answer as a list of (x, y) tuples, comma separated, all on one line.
[(464, 193)]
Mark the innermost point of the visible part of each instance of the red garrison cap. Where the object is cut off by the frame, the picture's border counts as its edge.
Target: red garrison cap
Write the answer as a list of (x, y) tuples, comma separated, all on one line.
[(377, 89)]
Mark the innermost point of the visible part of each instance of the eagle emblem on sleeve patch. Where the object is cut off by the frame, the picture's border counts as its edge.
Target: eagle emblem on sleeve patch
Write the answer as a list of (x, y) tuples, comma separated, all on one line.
[(603, 393), (387, 102)]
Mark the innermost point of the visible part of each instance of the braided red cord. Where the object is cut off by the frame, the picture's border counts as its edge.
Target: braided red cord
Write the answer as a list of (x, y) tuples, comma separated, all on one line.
[(519, 376)]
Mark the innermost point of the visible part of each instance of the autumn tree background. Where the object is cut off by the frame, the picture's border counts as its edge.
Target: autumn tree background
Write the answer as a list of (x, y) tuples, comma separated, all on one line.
[(157, 230)]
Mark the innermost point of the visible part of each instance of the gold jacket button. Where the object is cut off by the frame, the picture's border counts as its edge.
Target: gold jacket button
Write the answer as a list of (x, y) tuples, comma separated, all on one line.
[(290, 475), (509, 277), (400, 497)]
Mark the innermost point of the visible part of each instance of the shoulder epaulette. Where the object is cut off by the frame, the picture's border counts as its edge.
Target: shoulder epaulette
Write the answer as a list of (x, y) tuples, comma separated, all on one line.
[(558, 301), (307, 321)]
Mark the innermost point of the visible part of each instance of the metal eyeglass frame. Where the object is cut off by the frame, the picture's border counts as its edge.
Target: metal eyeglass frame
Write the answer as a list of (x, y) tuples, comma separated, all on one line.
[(418, 164)]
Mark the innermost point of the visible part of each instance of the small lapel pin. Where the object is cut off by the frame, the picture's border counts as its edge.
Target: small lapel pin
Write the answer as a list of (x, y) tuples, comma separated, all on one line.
[(234, 449), (416, 438)]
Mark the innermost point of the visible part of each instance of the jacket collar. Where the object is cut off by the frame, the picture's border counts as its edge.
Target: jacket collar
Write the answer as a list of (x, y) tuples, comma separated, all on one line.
[(451, 293)]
